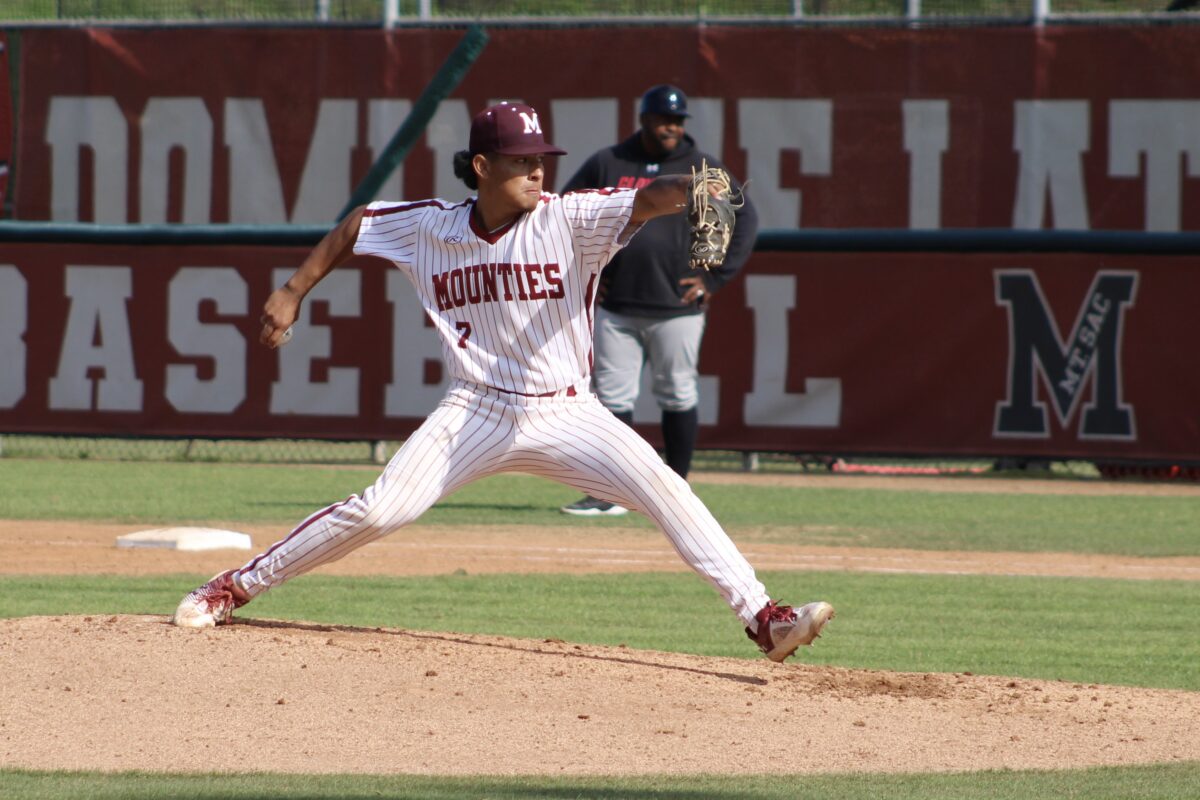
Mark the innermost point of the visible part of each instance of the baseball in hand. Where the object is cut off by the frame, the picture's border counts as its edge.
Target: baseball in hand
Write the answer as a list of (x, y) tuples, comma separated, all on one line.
[(287, 336)]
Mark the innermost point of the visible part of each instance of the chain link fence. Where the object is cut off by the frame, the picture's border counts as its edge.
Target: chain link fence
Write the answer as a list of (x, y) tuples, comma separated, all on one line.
[(401, 11), (368, 453), (194, 10), (313, 451)]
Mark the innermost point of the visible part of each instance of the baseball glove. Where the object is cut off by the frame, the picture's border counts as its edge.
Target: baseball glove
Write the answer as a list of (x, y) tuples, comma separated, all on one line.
[(711, 216)]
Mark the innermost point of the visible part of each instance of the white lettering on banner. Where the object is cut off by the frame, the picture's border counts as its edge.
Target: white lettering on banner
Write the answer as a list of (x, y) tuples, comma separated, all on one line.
[(171, 123), (769, 404), (97, 314), (325, 183), (384, 118), (1050, 137), (14, 310), (413, 345), (926, 137), (255, 188), (295, 392), (221, 343), (588, 125), (768, 127), (72, 124), (446, 135), (1163, 130)]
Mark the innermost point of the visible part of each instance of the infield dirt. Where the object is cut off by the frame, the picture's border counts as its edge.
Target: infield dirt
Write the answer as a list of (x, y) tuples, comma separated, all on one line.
[(132, 692)]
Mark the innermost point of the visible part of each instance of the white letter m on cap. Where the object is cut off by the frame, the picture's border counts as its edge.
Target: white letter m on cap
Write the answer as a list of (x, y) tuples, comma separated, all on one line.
[(531, 122)]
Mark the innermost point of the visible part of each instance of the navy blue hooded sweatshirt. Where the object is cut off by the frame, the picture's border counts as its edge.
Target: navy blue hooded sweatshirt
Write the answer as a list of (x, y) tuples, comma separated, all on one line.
[(643, 279)]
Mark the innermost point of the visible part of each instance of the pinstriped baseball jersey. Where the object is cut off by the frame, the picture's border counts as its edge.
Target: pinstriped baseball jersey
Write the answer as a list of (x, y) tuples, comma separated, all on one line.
[(513, 306)]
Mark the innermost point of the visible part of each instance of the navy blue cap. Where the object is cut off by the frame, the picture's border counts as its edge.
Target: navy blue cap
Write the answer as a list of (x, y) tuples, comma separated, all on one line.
[(664, 99)]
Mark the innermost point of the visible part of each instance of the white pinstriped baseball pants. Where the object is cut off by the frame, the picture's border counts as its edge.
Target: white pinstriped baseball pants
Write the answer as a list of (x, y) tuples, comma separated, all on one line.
[(475, 432)]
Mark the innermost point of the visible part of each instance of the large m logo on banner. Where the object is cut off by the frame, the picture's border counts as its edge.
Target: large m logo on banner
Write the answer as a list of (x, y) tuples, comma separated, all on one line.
[(1090, 355)]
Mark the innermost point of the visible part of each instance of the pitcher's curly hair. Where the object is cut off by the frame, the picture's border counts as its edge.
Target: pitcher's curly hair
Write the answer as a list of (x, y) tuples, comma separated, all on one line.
[(464, 171)]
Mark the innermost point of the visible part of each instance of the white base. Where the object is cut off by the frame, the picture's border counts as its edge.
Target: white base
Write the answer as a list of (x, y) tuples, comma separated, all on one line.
[(186, 539)]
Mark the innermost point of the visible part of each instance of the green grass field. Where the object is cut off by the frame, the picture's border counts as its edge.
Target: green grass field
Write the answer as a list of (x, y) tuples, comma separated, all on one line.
[(152, 493), (1054, 629), (1142, 633), (1167, 782)]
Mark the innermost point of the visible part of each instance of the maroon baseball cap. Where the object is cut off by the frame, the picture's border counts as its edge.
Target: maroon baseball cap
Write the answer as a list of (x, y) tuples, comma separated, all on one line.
[(510, 129)]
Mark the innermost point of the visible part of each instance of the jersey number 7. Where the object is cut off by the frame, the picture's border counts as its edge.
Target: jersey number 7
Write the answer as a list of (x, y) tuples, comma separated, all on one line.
[(465, 329)]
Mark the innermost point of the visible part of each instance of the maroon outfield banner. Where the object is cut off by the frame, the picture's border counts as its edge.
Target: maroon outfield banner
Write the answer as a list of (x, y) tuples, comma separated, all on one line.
[(1076, 127), (938, 354)]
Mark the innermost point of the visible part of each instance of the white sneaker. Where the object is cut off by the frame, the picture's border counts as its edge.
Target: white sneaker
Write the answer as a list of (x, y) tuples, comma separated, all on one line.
[(209, 605), (782, 629), (594, 507)]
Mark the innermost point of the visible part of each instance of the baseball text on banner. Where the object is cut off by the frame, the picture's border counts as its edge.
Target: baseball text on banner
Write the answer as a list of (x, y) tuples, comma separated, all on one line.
[(1064, 355)]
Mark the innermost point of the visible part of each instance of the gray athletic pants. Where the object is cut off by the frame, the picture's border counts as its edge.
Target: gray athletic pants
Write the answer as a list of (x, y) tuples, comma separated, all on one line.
[(670, 345)]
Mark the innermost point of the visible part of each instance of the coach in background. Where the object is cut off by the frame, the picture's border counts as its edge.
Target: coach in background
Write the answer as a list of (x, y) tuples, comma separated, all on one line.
[(652, 303)]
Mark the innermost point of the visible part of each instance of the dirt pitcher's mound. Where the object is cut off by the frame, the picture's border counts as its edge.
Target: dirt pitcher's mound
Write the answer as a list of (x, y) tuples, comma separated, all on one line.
[(116, 693)]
